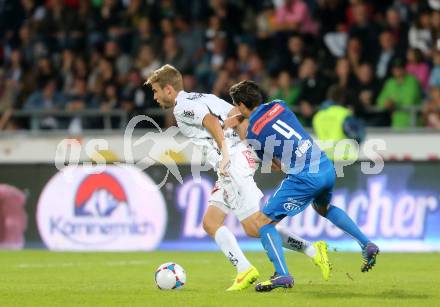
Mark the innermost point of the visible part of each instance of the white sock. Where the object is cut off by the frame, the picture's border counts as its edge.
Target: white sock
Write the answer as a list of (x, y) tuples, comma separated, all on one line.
[(295, 243), (229, 246)]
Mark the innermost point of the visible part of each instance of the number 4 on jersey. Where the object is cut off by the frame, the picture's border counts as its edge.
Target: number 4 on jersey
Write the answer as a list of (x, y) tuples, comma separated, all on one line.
[(285, 130)]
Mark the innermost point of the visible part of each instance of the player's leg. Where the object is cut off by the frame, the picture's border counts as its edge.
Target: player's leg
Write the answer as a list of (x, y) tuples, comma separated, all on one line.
[(290, 240), (273, 245), (274, 211), (317, 251), (341, 219), (248, 207), (225, 239), (241, 195), (293, 242)]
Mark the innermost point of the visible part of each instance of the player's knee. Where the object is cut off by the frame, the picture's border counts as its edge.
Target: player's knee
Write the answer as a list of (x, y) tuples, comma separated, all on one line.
[(251, 231), (210, 226), (322, 210)]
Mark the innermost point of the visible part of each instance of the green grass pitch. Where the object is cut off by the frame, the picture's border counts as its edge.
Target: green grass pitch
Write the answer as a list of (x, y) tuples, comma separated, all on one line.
[(42, 278)]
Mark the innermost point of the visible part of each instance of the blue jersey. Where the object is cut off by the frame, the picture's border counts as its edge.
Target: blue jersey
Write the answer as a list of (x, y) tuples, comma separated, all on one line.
[(278, 134)]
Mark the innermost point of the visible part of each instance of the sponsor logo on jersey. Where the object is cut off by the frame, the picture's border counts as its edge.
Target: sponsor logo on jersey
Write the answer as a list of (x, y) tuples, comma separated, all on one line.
[(188, 114), (266, 118), (195, 96), (291, 205)]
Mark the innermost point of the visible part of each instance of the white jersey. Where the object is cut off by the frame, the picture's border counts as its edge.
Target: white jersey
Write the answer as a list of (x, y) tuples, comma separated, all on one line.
[(191, 109), (237, 193)]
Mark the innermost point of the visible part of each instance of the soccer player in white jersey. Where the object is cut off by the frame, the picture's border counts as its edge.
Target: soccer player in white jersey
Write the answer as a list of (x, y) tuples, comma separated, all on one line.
[(201, 117)]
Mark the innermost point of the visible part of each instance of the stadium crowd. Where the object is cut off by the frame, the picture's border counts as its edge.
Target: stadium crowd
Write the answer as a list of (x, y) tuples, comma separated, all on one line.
[(78, 55)]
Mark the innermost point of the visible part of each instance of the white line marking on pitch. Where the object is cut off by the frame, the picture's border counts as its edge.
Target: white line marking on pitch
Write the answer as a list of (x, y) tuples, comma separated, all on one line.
[(108, 263)]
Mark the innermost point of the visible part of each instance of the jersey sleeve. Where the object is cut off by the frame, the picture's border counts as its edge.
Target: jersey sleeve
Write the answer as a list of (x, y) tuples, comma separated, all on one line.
[(192, 114)]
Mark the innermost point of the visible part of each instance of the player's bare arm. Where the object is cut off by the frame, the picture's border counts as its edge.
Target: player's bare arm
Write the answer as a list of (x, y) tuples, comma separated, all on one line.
[(234, 119)]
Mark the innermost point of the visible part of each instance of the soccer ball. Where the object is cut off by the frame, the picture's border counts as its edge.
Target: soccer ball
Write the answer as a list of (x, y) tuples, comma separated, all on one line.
[(170, 276)]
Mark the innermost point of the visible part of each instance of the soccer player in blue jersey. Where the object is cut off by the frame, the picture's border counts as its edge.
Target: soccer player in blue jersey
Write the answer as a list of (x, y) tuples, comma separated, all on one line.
[(276, 134)]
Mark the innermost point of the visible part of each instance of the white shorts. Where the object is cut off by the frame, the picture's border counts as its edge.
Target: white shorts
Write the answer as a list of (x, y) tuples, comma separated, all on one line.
[(239, 196)]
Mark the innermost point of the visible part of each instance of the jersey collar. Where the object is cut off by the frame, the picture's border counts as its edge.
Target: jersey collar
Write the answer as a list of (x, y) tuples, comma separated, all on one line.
[(257, 110), (180, 94)]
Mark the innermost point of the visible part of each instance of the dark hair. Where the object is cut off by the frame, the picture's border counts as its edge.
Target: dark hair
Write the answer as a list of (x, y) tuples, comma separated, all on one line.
[(337, 94), (246, 92)]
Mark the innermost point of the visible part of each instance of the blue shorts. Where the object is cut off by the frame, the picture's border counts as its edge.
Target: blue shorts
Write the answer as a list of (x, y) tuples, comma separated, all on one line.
[(296, 192)]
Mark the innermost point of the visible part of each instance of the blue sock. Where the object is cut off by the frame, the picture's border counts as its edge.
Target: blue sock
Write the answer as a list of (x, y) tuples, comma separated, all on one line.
[(345, 223), (273, 244)]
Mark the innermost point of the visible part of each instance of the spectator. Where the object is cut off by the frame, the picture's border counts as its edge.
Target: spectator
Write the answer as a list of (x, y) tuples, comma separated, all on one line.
[(134, 12), (66, 73), (212, 62), (434, 78), (45, 71), (258, 72), (121, 62), (78, 100), (336, 41), (190, 83), (400, 92), (231, 66), (345, 80), (222, 85), (331, 14), (244, 52), (398, 28), (144, 35), (105, 20), (366, 90), (146, 61), (27, 43), (15, 67), (191, 39), (61, 26), (435, 26), (386, 55), (135, 93), (354, 53), (313, 88), (229, 14), (102, 74), (343, 74), (431, 109), (417, 67), (166, 9), (296, 54), (214, 29), (420, 35), (362, 27), (80, 69), (294, 15), (110, 98), (174, 55), (266, 23), (286, 89), (167, 27), (8, 94), (47, 99)]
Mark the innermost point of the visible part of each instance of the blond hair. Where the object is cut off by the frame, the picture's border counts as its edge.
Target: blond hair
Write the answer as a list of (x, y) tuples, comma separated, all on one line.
[(167, 74)]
